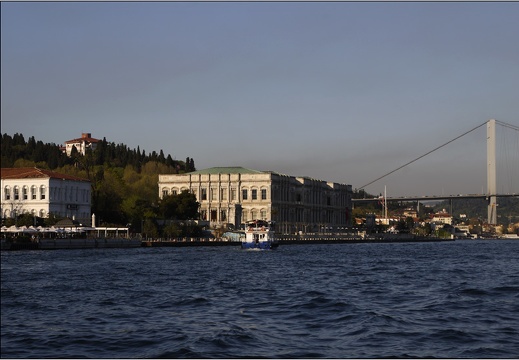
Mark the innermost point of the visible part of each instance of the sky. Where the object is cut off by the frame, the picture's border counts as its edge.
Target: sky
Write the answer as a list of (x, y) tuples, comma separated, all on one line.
[(336, 91)]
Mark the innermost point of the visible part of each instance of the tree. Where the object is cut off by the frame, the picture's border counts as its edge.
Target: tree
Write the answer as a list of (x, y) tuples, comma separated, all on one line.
[(182, 206), (187, 206)]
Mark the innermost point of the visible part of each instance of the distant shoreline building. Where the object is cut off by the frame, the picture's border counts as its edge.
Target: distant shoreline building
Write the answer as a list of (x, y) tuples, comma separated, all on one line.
[(85, 141), (235, 195), (42, 192)]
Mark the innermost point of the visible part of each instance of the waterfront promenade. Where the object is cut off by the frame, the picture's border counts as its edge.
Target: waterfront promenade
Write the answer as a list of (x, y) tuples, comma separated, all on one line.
[(56, 244)]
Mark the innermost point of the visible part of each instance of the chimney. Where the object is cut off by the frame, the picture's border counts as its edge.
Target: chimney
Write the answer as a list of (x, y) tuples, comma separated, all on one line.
[(86, 135)]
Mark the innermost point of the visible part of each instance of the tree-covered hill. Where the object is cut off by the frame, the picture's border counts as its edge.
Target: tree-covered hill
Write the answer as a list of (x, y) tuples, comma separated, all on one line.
[(507, 209), (17, 152), (124, 181)]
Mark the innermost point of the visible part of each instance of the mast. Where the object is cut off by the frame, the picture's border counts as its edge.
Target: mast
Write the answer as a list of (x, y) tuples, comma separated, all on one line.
[(385, 204)]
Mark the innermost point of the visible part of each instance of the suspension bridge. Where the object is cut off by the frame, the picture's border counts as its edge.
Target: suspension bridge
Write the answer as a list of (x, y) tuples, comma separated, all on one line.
[(491, 195)]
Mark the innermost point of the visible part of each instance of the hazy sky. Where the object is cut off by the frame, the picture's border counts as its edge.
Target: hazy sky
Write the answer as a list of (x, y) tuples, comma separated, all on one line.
[(342, 92)]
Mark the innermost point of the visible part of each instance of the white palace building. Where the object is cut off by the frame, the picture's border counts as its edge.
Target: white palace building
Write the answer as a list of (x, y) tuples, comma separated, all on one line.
[(42, 192), (235, 195)]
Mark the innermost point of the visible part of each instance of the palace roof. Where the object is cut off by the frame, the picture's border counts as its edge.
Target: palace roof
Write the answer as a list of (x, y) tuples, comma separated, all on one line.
[(227, 170)]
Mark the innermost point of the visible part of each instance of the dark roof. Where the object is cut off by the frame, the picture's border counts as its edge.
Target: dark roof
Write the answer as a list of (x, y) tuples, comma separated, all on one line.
[(81, 139), (28, 173)]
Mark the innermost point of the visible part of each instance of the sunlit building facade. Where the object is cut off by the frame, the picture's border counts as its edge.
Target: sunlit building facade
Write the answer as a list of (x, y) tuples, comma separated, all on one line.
[(235, 195), (42, 192), (86, 141)]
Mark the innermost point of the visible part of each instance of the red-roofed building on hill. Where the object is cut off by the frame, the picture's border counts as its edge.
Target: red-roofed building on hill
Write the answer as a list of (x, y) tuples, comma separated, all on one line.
[(42, 192), (85, 141)]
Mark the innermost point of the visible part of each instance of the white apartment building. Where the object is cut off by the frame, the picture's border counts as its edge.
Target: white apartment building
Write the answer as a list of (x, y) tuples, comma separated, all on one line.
[(235, 195), (41, 192), (442, 218), (85, 141)]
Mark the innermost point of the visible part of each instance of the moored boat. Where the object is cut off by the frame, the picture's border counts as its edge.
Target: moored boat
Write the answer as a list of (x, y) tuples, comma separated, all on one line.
[(259, 234)]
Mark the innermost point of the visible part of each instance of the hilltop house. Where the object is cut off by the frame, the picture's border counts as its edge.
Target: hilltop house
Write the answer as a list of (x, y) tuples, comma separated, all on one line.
[(85, 141)]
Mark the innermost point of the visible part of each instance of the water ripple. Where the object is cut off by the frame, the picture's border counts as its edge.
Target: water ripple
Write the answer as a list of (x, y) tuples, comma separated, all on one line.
[(433, 300)]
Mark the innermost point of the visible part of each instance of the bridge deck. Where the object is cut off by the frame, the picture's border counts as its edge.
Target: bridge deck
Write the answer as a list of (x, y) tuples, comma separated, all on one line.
[(436, 197)]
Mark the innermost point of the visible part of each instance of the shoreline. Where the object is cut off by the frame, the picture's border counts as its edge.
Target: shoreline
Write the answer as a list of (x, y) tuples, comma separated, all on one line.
[(69, 244), (123, 243)]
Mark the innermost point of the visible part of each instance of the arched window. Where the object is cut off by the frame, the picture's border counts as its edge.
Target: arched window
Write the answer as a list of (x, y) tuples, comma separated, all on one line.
[(263, 194), (42, 213), (33, 192), (164, 192), (263, 214), (16, 193), (7, 193), (25, 192), (42, 192)]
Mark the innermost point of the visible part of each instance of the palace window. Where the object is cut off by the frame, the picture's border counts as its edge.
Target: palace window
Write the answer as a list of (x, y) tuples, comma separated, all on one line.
[(16, 193), (254, 194), (263, 194), (33, 192), (223, 194), (244, 194), (7, 193), (42, 192), (203, 194), (25, 192), (233, 194)]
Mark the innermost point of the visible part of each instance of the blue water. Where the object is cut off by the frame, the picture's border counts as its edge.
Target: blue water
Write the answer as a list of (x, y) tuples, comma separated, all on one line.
[(449, 300)]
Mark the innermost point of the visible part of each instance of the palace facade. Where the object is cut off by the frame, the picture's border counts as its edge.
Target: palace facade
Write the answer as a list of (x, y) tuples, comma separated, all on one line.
[(42, 192), (235, 195)]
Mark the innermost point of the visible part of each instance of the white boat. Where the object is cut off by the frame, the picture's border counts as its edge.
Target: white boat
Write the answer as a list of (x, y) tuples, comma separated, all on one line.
[(259, 234)]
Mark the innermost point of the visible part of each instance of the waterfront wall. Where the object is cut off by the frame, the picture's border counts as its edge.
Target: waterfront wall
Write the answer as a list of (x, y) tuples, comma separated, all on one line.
[(54, 244)]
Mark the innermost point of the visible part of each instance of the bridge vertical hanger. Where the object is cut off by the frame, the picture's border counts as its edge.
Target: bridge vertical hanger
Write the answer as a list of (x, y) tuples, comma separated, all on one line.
[(491, 172)]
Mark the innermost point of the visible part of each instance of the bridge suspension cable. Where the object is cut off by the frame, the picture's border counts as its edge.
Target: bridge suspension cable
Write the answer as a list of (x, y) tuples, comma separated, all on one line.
[(513, 127), (507, 158), (429, 152)]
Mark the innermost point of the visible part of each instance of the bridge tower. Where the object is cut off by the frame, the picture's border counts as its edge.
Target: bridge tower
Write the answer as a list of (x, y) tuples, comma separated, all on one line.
[(491, 172)]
